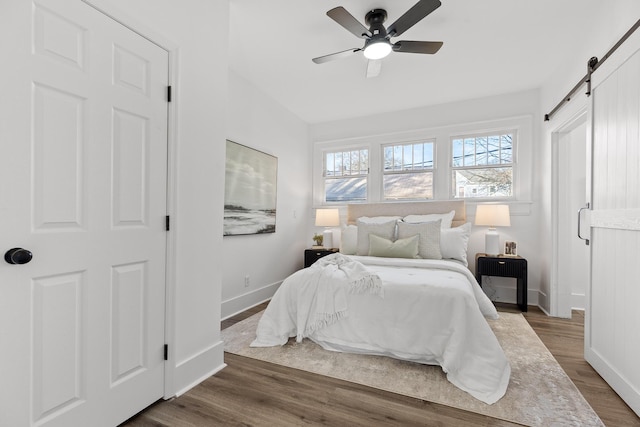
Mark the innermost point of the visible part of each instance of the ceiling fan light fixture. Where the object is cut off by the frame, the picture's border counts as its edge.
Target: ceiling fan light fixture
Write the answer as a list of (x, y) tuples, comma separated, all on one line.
[(377, 50)]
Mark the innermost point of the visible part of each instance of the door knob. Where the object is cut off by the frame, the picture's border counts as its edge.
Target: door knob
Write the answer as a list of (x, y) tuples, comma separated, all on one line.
[(18, 256)]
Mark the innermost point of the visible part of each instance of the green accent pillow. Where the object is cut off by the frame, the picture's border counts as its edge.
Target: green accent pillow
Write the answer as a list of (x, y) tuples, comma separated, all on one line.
[(401, 248)]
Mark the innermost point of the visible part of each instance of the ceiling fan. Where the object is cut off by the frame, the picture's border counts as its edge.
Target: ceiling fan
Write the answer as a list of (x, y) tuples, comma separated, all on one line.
[(377, 42)]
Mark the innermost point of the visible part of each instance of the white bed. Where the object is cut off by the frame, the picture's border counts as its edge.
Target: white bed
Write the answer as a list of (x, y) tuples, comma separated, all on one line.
[(429, 311)]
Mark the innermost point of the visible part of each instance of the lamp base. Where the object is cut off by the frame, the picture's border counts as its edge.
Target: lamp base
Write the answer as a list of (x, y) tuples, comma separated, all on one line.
[(492, 242), (327, 239)]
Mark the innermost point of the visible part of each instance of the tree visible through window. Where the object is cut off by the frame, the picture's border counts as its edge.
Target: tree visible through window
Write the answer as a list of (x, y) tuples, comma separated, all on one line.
[(482, 165), (345, 175), (408, 171)]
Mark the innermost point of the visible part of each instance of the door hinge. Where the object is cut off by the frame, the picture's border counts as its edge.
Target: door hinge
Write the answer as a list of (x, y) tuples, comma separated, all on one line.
[(166, 352), (167, 223), (168, 93)]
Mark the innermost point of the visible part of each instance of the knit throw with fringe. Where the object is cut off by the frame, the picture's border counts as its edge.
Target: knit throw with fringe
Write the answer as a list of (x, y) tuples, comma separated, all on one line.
[(321, 295)]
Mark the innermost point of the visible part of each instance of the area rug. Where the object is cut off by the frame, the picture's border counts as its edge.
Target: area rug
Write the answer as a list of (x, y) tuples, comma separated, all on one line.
[(539, 394)]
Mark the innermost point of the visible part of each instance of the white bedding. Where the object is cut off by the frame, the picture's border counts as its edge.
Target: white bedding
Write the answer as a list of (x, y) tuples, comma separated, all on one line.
[(428, 311)]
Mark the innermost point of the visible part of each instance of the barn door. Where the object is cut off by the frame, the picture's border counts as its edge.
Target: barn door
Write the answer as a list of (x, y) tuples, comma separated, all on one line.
[(612, 340), (83, 183)]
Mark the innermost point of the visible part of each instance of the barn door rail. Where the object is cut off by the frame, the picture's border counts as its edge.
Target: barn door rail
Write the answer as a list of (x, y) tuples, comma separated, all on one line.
[(592, 65)]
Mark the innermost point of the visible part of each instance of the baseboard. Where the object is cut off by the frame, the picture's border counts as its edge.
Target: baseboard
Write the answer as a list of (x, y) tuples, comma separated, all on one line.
[(543, 302), (192, 371), (578, 301), (238, 304), (498, 291)]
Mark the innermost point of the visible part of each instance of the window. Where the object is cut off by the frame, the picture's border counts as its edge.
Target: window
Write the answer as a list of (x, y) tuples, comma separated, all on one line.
[(482, 165), (408, 171), (458, 161), (345, 175)]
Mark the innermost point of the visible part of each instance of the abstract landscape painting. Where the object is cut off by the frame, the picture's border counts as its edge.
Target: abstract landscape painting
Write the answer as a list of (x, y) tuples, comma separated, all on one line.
[(249, 191)]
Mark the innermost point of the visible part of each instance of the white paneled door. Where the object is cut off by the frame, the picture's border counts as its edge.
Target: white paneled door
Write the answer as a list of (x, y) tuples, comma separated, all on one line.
[(612, 333), (83, 168)]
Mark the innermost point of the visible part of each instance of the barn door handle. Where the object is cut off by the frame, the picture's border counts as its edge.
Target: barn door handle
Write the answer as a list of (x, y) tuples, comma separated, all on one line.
[(18, 256), (586, 241)]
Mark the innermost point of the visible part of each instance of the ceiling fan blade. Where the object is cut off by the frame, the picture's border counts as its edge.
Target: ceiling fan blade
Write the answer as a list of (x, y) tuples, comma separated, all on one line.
[(334, 56), (412, 16), (407, 46), (373, 67), (344, 18)]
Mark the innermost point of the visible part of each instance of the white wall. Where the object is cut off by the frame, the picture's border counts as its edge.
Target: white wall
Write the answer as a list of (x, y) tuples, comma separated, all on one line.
[(199, 59), (616, 18), (475, 112), (257, 121)]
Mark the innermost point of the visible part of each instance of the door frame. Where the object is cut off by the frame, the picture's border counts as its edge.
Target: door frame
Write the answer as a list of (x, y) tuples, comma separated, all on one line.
[(558, 306), (114, 13)]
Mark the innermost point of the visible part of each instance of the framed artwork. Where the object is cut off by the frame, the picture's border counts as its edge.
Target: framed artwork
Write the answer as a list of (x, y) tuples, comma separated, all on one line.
[(249, 191), (511, 248)]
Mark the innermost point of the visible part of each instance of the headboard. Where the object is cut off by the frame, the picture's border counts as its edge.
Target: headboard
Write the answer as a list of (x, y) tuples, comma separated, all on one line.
[(355, 211)]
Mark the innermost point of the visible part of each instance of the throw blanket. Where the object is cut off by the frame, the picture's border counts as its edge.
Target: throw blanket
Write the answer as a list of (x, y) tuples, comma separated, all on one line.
[(317, 297)]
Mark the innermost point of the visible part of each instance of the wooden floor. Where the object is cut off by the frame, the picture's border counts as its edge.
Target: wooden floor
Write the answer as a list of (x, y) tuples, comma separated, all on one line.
[(249, 392)]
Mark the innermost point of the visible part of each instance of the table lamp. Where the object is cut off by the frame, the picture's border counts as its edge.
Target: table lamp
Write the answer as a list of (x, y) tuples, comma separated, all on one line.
[(493, 216), (327, 218)]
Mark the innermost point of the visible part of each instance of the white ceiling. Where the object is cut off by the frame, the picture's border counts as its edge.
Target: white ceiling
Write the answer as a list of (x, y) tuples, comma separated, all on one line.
[(490, 47)]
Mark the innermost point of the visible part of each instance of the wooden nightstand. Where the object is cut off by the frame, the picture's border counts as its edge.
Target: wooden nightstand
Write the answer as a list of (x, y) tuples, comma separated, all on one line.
[(505, 266), (312, 255)]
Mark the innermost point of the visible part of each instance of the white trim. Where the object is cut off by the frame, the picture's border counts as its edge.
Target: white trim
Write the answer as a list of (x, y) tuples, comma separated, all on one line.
[(499, 292), (241, 303), (557, 306), (198, 381), (106, 7), (578, 301), (188, 372)]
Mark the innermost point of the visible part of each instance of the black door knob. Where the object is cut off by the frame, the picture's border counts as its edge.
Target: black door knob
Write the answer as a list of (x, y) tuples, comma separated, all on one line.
[(18, 256)]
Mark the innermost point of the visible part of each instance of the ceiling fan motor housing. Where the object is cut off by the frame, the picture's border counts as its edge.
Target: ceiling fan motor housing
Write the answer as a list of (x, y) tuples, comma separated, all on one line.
[(375, 18)]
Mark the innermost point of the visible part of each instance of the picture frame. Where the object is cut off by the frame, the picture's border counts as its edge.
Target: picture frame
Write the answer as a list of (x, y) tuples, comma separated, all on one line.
[(250, 191), (510, 248)]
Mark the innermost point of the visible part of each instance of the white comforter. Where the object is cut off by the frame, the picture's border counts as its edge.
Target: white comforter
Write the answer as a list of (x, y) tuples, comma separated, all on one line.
[(427, 311)]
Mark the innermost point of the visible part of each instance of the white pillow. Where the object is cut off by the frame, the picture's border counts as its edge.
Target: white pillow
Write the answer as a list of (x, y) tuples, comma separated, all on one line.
[(453, 242), (429, 237), (386, 230), (446, 218), (377, 219), (349, 240)]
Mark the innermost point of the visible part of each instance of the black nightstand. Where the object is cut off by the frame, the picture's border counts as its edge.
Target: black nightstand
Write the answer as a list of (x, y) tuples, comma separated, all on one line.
[(505, 266), (312, 255)]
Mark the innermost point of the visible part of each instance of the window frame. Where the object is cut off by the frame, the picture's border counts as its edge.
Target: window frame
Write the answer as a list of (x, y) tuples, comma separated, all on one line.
[(475, 135), (365, 175), (522, 157), (432, 170)]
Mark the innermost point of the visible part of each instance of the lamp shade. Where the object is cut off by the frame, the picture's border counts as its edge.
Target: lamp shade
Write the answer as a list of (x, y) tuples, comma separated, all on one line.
[(327, 217), (493, 215)]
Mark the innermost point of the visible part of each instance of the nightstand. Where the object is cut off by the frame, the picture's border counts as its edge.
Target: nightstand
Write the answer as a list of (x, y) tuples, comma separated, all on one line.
[(505, 266), (312, 255)]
